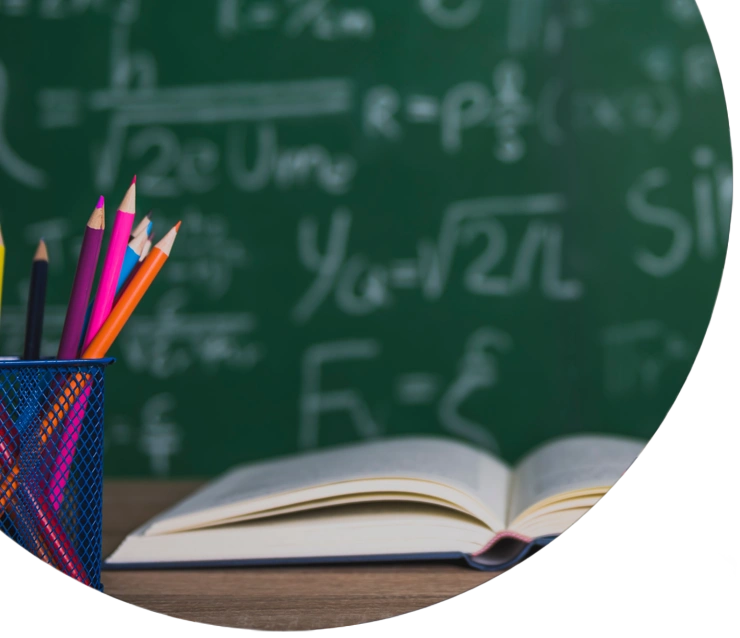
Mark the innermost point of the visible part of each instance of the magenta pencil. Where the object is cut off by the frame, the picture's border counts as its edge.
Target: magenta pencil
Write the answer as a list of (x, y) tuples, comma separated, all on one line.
[(65, 453), (117, 245), (74, 322)]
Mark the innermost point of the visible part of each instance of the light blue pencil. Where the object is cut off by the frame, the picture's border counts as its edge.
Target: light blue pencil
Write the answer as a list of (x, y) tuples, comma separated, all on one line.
[(145, 222)]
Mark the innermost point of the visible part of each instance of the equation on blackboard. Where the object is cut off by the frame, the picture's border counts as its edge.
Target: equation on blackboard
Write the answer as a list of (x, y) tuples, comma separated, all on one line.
[(492, 221)]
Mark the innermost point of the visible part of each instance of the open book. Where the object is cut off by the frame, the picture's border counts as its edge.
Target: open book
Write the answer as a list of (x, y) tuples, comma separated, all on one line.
[(393, 499)]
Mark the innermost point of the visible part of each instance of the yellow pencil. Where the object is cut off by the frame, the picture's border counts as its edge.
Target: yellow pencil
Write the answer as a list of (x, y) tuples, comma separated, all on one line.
[(2, 268)]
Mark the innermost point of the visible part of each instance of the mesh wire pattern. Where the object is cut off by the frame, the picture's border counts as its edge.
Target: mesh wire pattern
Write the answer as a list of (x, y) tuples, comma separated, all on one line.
[(51, 462)]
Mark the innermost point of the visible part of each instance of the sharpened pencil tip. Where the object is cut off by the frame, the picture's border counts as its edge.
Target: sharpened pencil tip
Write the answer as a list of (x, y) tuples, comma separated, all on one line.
[(142, 226), (128, 205), (177, 226), (97, 219), (41, 253), (101, 202), (133, 181), (138, 242), (165, 244)]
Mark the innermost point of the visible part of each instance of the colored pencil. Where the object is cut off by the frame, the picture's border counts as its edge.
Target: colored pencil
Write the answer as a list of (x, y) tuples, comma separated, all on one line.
[(2, 268), (85, 324), (69, 348), (61, 465), (106, 291), (74, 322), (9, 448), (9, 440), (147, 247), (44, 532), (131, 296), (134, 233), (75, 387), (144, 224), (144, 254), (121, 279), (36, 303), (133, 253), (134, 250), (55, 538)]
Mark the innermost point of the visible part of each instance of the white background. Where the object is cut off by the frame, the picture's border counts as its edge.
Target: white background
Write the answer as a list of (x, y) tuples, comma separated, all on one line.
[(659, 555)]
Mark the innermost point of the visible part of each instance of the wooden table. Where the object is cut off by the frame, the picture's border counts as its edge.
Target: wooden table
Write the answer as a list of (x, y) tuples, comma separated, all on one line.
[(276, 598)]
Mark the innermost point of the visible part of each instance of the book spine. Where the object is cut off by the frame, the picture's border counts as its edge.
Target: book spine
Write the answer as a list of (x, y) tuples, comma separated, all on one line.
[(505, 550), (501, 536)]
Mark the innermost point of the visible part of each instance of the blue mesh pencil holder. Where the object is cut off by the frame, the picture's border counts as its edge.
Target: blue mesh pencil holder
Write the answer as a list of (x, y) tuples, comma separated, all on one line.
[(51, 461)]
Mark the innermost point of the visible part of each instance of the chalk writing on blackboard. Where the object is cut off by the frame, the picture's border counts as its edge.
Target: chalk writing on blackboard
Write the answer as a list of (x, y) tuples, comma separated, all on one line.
[(315, 400), (696, 68), (164, 344), (342, 166), (652, 108), (451, 14), (637, 355), (503, 106), (323, 20), (524, 24), (701, 227), (160, 438), (477, 373), (10, 162), (465, 220), (201, 104), (285, 167), (170, 341), (212, 257), (417, 388), (152, 430), (360, 286)]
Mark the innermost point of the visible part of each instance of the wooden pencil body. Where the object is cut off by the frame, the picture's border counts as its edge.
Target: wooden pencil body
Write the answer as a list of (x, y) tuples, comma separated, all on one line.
[(35, 314), (81, 289)]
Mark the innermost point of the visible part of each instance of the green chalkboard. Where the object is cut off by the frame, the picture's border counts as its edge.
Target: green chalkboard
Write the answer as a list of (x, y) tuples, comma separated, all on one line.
[(498, 221)]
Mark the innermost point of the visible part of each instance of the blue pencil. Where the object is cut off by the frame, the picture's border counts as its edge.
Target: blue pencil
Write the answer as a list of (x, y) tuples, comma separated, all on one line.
[(131, 258)]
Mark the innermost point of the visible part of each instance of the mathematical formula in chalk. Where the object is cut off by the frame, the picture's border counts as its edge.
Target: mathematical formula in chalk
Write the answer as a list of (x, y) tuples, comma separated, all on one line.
[(496, 221), (359, 286)]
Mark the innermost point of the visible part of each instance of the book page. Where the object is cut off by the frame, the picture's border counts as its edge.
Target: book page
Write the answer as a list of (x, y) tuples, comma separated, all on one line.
[(375, 529), (434, 463), (571, 463)]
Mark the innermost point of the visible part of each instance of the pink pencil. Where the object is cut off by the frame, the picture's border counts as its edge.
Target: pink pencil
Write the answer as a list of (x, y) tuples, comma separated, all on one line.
[(106, 292), (65, 453)]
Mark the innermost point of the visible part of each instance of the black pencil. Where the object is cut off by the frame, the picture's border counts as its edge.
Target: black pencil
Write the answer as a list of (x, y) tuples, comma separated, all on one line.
[(36, 303)]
